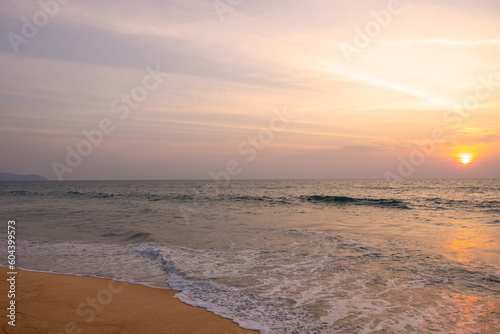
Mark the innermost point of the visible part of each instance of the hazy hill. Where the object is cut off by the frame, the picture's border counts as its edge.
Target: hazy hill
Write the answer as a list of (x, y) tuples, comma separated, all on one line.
[(15, 177)]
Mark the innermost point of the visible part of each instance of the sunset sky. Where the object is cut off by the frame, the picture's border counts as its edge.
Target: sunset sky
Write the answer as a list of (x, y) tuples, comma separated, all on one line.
[(363, 84)]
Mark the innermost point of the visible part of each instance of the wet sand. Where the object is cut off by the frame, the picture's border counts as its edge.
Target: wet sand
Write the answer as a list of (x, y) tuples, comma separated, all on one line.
[(48, 303)]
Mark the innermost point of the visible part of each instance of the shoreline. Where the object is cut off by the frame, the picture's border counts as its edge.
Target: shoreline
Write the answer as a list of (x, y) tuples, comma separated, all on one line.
[(53, 303)]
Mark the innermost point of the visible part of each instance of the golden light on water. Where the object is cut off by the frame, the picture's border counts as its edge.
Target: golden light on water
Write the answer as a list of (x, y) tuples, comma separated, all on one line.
[(466, 245), (465, 158)]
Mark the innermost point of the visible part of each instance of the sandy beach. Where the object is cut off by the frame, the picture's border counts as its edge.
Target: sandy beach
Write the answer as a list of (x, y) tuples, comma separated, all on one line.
[(48, 303)]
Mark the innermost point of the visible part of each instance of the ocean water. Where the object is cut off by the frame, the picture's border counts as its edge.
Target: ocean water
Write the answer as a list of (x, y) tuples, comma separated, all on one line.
[(311, 256)]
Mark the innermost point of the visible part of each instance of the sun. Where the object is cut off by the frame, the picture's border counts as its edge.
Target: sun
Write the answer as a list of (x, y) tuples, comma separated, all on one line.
[(465, 158)]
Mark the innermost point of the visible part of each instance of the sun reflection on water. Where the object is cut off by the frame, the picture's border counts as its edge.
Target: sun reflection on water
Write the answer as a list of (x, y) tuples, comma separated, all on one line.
[(466, 244), (471, 312), (474, 313)]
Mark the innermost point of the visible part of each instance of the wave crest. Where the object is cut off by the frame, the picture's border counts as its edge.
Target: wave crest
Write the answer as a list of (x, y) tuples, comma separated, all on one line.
[(382, 202)]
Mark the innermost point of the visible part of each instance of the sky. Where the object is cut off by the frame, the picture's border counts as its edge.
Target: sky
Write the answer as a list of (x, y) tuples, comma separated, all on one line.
[(243, 89)]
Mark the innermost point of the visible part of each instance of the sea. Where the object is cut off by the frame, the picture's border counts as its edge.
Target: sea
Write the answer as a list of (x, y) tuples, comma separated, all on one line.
[(279, 256)]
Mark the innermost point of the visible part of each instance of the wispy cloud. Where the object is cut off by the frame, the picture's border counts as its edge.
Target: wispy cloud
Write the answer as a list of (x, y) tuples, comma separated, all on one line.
[(438, 41)]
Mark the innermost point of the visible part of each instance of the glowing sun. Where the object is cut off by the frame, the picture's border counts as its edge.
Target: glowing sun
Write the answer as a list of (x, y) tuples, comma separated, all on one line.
[(465, 158)]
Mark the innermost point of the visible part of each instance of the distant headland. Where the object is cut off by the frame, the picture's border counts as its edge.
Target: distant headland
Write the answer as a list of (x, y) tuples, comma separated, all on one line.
[(16, 177)]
